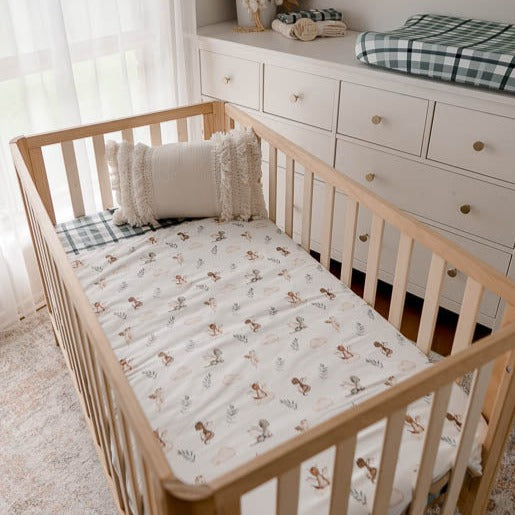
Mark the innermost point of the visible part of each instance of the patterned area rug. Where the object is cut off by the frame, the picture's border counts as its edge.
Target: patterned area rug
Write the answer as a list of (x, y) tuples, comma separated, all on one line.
[(48, 463)]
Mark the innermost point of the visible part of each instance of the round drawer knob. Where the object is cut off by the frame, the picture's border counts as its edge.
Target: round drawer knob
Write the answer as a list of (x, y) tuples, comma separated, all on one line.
[(370, 176), (452, 272), (226, 80), (363, 237), (465, 209), (294, 98), (376, 119), (478, 146)]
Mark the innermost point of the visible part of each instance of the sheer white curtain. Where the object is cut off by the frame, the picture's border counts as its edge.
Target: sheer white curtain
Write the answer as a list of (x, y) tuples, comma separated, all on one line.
[(69, 62)]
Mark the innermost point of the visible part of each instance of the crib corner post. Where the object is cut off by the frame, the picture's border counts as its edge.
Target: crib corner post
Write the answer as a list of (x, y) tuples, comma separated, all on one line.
[(219, 116)]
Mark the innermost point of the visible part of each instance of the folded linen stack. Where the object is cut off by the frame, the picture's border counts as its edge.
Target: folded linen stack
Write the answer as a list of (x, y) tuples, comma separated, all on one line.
[(307, 30)]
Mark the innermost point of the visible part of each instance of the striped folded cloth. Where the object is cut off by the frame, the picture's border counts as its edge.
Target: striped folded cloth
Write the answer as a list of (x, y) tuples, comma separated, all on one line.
[(314, 14)]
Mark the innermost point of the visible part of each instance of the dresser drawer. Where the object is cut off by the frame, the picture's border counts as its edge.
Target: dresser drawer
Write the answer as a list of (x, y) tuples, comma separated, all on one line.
[(381, 117), (433, 193), (300, 96), (318, 142), (477, 141), (454, 285), (230, 78)]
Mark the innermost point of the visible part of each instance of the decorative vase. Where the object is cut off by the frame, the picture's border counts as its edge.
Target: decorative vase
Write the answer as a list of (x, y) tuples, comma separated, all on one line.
[(246, 17)]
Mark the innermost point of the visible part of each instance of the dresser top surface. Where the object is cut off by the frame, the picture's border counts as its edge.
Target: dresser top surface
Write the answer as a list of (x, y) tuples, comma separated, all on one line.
[(337, 53)]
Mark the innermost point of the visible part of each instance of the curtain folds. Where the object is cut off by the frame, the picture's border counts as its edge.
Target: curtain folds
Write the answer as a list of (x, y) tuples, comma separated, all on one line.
[(70, 62)]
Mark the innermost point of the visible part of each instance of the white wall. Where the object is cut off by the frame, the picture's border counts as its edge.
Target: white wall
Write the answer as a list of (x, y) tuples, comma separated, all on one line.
[(215, 11), (377, 14), (388, 14)]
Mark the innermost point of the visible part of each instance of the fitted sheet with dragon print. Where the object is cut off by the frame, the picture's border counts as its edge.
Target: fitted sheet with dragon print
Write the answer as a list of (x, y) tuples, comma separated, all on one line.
[(235, 339)]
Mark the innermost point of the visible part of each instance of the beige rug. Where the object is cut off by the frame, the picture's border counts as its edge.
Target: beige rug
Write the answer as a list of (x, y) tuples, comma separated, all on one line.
[(48, 464)]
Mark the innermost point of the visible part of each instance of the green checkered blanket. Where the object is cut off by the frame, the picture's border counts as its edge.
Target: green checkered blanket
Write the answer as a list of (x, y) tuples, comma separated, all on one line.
[(466, 51), (314, 14), (89, 232)]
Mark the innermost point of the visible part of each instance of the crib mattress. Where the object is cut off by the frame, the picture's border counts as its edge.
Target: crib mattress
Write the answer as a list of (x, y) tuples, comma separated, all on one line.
[(466, 51), (235, 340)]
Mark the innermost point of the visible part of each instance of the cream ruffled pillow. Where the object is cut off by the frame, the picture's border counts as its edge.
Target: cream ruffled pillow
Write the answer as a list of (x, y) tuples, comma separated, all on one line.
[(216, 178)]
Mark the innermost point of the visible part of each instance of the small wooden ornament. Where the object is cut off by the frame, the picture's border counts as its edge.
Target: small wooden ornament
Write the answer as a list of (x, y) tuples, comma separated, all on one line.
[(305, 29)]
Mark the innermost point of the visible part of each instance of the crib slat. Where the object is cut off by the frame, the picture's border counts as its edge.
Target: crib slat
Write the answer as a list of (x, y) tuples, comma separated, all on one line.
[(400, 280), (72, 174), (155, 134), (128, 453), (288, 207), (431, 304), (307, 210), (342, 475), (349, 238), (468, 316), (468, 431), (208, 125), (431, 443), (114, 439), (288, 492), (182, 129), (327, 229), (374, 255), (40, 179), (272, 185), (389, 456), (102, 171), (128, 136)]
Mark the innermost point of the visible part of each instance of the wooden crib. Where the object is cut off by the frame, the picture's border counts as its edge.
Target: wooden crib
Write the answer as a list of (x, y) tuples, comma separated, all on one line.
[(135, 465)]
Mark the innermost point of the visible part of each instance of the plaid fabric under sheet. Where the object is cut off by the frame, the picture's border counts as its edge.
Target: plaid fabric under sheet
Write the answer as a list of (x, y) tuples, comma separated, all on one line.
[(89, 232), (314, 14), (466, 51)]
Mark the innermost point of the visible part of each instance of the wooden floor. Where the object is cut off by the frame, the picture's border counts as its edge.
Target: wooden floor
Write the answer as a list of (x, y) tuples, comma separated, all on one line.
[(445, 325)]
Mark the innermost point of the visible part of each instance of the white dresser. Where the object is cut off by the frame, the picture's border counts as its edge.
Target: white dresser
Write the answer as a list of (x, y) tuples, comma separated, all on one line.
[(443, 152)]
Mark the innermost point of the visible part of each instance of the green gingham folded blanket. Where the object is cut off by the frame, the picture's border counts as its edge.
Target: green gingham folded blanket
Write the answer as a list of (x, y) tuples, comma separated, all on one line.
[(466, 51), (313, 14), (89, 232)]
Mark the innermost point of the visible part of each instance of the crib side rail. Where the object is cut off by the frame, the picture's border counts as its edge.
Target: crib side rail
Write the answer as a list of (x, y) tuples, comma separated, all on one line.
[(212, 120), (129, 450), (480, 277), (284, 462)]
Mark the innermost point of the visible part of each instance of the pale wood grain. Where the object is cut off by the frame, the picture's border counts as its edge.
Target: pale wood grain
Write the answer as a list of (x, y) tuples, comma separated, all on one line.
[(155, 134), (289, 192), (272, 183), (400, 280), (102, 171), (342, 476), (431, 304), (288, 492), (307, 210), (128, 135), (327, 230), (431, 444), (208, 125), (374, 256), (468, 315), (388, 464), (468, 432), (349, 238), (182, 130), (72, 175)]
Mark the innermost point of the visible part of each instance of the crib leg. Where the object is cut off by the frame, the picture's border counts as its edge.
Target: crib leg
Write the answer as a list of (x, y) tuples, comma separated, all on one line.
[(476, 495)]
